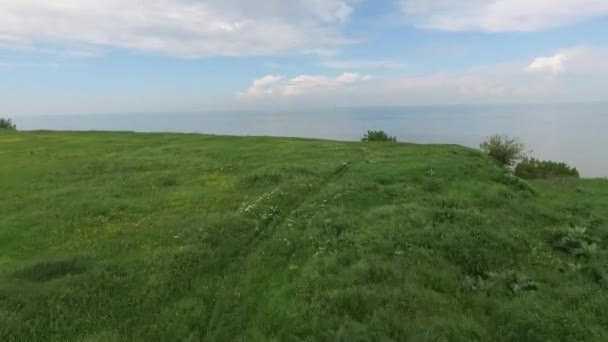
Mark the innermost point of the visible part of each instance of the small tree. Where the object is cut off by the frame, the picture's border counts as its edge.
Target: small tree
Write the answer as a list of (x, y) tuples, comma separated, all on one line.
[(7, 124), (504, 149), (378, 136)]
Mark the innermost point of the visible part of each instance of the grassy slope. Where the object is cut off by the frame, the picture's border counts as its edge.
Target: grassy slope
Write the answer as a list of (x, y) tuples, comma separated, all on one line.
[(119, 236)]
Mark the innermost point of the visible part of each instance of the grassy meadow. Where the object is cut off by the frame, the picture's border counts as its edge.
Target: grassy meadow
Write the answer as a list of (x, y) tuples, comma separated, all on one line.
[(173, 237)]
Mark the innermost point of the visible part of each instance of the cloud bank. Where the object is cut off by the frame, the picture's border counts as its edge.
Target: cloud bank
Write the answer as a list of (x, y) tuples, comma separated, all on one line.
[(269, 87), (500, 15), (185, 28), (573, 74)]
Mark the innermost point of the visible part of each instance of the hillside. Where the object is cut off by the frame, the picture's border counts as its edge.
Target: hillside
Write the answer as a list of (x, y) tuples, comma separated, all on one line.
[(168, 237)]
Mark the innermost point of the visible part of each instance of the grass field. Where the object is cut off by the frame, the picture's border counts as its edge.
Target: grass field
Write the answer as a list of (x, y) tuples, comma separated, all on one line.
[(168, 237)]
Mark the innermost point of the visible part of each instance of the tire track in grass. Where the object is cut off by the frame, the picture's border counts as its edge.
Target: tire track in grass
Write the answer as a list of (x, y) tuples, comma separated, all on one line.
[(338, 173), (270, 227), (268, 230)]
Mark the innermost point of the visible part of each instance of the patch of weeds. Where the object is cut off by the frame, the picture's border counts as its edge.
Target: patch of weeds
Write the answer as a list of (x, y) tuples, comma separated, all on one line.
[(49, 270), (497, 199), (259, 203), (303, 171), (264, 176), (473, 282), (227, 230), (342, 168), (383, 212), (517, 282), (472, 153), (575, 247), (104, 336), (542, 256), (576, 242), (371, 272), (571, 267), (168, 182), (451, 202), (444, 215), (430, 182), (270, 214), (511, 281), (382, 180), (457, 212), (355, 302), (578, 210), (432, 185), (353, 331), (596, 222), (335, 226), (599, 276), (473, 217), (515, 183), (470, 261)]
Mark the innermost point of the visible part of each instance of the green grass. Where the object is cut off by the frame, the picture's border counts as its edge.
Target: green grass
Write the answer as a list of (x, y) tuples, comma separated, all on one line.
[(167, 237)]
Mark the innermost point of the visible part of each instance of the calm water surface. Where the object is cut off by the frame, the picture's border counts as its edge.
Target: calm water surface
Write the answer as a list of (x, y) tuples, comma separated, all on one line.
[(577, 134)]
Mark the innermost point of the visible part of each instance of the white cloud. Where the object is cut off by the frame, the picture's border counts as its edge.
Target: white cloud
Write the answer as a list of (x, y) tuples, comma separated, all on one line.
[(72, 53), (555, 64), (51, 65), (185, 28), (331, 11), (262, 86), (576, 74), (273, 87), (501, 15), (580, 60), (361, 64)]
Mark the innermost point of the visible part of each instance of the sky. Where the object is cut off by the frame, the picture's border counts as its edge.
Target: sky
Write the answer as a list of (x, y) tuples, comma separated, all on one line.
[(127, 56)]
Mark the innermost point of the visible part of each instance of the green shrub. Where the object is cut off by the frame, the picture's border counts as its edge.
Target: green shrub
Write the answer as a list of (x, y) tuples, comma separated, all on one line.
[(378, 136), (531, 168), (7, 124), (504, 149), (576, 241)]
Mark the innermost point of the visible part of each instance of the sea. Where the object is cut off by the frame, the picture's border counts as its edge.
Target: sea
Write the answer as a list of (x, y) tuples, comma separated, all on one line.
[(574, 133)]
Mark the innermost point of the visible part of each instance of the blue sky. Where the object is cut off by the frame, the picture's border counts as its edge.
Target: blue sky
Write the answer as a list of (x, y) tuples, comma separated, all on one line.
[(111, 56)]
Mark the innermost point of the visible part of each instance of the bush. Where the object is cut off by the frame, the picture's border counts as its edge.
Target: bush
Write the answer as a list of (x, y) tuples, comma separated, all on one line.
[(531, 168), (504, 149), (378, 136), (7, 124)]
